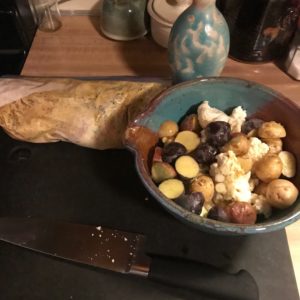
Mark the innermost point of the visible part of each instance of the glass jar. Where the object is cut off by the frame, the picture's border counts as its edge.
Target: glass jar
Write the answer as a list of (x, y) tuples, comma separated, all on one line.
[(124, 19), (47, 15)]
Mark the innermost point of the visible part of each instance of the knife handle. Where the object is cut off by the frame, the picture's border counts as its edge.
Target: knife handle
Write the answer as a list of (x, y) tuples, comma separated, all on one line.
[(203, 278)]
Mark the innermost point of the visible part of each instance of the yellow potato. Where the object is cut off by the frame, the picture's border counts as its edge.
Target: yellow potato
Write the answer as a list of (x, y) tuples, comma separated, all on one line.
[(172, 188), (189, 139), (168, 129), (187, 167)]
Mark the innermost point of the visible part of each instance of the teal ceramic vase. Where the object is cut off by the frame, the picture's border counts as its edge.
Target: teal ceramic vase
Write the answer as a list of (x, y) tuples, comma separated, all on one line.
[(199, 42)]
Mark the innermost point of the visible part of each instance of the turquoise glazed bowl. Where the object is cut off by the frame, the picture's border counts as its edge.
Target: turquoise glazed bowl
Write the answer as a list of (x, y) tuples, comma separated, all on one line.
[(225, 94)]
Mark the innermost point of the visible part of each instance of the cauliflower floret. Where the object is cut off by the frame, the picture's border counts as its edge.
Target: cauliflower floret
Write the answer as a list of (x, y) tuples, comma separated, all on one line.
[(257, 149), (227, 164), (237, 118), (241, 190), (253, 182), (230, 181), (261, 205), (203, 136), (208, 114)]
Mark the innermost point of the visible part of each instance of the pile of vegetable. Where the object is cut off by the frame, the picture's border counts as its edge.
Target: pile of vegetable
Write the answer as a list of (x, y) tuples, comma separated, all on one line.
[(224, 167)]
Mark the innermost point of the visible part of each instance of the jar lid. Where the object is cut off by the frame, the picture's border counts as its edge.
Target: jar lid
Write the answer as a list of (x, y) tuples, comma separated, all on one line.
[(167, 11)]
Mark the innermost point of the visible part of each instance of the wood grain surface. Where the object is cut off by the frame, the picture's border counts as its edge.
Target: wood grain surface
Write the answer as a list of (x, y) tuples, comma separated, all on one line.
[(78, 49)]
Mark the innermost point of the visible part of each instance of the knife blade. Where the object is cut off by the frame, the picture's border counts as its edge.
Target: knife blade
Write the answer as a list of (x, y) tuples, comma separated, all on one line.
[(124, 252)]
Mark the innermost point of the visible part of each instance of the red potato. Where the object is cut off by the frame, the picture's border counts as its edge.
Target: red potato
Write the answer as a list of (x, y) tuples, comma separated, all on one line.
[(190, 123), (242, 213), (157, 156)]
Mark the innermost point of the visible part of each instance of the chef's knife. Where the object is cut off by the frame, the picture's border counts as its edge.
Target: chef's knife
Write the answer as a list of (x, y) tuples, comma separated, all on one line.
[(124, 252)]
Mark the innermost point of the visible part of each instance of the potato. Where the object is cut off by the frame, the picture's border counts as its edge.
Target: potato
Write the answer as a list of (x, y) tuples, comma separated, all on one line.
[(161, 171), (281, 193), (253, 182), (220, 212), (187, 167), (168, 139), (268, 168), (157, 155), (203, 184), (289, 164), (271, 130), (172, 188), (190, 123), (246, 163), (275, 145), (252, 133), (242, 213), (189, 139), (239, 144), (261, 189), (168, 129)]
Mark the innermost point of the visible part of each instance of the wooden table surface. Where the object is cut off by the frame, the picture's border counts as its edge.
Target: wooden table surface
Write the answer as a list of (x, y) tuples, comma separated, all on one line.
[(79, 49)]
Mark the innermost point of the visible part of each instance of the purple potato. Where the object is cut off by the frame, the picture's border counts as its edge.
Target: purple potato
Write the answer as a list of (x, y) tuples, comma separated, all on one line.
[(218, 133), (172, 151), (251, 124), (192, 202), (205, 153)]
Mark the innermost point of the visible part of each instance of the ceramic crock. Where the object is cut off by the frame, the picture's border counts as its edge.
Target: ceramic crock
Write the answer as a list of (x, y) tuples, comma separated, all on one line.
[(163, 14)]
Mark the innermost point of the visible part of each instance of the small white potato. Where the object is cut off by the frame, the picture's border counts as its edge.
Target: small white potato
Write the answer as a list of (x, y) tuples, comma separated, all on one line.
[(288, 164), (275, 145), (268, 168), (205, 185), (271, 130), (281, 193)]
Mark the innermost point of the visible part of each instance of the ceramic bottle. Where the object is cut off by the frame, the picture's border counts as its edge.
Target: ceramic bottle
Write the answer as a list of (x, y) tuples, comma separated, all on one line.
[(199, 42)]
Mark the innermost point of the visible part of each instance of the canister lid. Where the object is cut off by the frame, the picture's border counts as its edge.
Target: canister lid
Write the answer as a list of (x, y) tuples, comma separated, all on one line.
[(167, 11)]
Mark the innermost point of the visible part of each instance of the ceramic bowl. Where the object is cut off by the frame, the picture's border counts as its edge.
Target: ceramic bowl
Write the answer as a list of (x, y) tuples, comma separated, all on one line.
[(223, 93)]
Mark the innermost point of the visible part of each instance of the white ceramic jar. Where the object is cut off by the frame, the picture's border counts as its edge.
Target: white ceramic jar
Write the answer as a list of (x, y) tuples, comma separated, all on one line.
[(163, 14)]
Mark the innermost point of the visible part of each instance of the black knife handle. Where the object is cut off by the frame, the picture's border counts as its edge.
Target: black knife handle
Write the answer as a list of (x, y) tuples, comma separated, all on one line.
[(205, 279)]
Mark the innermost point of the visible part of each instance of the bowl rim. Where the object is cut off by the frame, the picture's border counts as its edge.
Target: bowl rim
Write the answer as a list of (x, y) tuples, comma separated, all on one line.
[(194, 220)]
